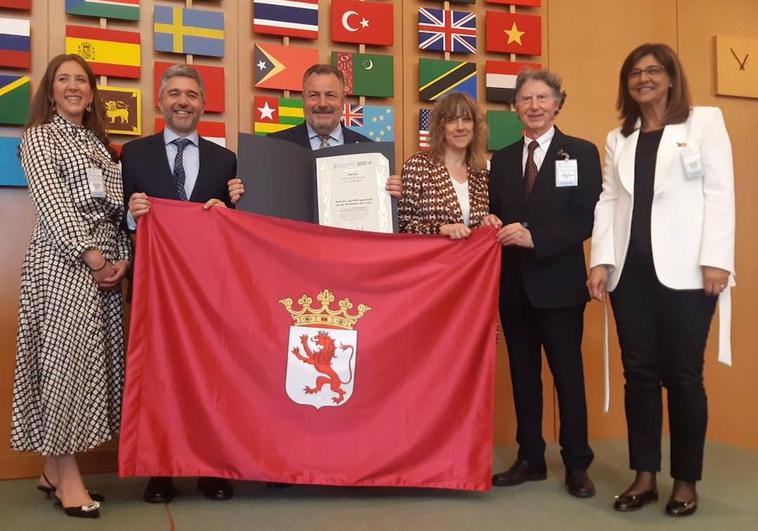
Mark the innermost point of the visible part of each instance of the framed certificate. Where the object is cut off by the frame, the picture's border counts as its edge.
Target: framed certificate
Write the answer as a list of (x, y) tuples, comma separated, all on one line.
[(351, 192)]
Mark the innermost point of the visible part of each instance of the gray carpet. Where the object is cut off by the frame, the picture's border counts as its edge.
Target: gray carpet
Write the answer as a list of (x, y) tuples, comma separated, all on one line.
[(728, 501)]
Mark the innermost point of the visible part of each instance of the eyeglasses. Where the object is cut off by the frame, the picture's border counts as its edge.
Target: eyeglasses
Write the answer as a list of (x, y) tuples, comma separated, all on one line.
[(650, 71)]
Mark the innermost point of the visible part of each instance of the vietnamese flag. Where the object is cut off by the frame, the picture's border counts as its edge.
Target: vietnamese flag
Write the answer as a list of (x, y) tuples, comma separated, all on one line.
[(273, 350), (513, 33), (362, 22)]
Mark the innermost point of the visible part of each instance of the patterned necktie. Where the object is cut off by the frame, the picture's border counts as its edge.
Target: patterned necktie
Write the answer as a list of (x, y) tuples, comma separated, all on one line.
[(531, 171), (324, 141), (178, 174)]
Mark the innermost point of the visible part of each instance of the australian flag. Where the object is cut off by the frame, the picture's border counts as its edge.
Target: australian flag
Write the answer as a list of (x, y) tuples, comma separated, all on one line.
[(445, 30)]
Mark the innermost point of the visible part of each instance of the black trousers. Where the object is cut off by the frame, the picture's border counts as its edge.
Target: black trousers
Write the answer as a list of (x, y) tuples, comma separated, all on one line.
[(662, 334), (559, 331)]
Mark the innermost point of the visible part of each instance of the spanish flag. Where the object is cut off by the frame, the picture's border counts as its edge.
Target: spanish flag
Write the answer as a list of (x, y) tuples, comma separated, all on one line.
[(109, 52)]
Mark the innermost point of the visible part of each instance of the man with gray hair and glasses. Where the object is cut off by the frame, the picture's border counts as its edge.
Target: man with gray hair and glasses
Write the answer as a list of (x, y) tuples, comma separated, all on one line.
[(177, 163)]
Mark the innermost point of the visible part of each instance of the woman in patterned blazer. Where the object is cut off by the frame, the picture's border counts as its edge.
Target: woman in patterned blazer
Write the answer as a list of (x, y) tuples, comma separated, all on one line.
[(70, 345), (445, 189)]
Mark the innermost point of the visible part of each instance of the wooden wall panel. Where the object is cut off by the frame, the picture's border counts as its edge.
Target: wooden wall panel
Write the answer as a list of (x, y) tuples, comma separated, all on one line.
[(584, 41)]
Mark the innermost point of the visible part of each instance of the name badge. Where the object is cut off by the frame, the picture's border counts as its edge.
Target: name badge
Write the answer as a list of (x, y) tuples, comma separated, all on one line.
[(693, 168), (96, 182), (566, 173)]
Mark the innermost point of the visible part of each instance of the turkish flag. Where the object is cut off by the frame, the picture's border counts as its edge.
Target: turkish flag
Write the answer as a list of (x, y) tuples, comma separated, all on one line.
[(362, 22), (274, 350), (513, 33)]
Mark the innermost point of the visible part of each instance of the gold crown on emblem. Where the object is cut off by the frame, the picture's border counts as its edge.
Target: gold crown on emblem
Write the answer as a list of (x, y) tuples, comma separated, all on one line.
[(325, 316)]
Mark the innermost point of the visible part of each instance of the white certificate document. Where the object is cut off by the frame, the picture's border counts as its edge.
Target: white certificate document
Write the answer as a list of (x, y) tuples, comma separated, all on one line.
[(351, 192)]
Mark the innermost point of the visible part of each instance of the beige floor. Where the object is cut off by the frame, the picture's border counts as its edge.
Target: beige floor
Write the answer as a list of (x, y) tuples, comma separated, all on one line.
[(729, 502)]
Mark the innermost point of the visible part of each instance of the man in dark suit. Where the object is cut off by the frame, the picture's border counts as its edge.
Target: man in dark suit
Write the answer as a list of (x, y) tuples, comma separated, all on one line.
[(178, 164), (544, 189), (323, 101)]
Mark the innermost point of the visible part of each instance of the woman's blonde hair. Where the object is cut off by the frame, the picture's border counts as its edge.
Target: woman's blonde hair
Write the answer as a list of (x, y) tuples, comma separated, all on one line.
[(452, 106)]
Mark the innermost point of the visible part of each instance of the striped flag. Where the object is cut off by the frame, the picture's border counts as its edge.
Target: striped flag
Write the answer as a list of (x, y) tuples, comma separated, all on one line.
[(438, 77), (378, 123), (289, 18), (500, 81), (14, 99), (272, 114), (352, 115), (189, 31), (212, 131), (444, 30), (15, 43), (109, 52), (120, 9), (424, 115)]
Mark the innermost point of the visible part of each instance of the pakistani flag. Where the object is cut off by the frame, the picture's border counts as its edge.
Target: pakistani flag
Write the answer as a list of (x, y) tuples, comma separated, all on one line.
[(366, 74), (504, 128), (121, 9)]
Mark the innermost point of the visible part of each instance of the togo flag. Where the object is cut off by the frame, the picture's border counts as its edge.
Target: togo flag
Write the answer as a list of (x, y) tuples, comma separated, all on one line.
[(122, 9), (272, 114), (14, 99), (109, 52), (438, 77), (189, 31)]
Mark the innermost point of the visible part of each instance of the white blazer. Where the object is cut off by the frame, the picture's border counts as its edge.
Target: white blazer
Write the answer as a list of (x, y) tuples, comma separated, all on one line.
[(692, 219)]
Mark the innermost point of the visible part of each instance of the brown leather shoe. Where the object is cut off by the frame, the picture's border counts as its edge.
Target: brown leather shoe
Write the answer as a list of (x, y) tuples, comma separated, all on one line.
[(681, 508), (579, 484), (634, 502), (519, 472)]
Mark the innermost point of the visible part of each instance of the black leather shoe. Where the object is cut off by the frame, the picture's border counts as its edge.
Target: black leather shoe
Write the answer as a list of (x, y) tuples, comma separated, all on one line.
[(159, 490), (90, 510), (634, 502), (681, 508), (519, 472), (579, 484), (215, 488)]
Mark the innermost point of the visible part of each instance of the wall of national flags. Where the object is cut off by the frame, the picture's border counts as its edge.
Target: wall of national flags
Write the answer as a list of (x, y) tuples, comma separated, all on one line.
[(399, 57)]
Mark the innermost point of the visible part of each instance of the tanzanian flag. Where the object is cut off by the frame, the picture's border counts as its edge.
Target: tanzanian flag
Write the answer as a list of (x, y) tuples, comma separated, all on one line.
[(437, 77), (189, 31)]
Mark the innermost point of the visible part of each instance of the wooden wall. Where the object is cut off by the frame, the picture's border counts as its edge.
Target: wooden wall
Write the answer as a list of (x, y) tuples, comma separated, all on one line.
[(584, 41)]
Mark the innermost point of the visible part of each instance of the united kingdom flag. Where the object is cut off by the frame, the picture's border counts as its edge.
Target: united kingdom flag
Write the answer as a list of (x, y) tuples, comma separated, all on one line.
[(352, 115), (445, 30)]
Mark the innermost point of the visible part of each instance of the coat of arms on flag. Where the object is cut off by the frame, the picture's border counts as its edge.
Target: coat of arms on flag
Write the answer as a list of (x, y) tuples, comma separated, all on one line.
[(123, 110), (108, 52), (288, 18), (322, 350), (189, 31), (445, 30)]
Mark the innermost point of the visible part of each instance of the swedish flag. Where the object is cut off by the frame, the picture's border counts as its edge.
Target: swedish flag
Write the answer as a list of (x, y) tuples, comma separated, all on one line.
[(189, 31)]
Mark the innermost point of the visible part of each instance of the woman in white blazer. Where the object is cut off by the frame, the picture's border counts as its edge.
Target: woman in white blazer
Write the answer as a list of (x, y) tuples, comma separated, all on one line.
[(663, 245)]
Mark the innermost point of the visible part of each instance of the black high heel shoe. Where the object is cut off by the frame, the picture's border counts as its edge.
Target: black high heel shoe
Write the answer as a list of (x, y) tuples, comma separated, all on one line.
[(89, 510), (49, 490)]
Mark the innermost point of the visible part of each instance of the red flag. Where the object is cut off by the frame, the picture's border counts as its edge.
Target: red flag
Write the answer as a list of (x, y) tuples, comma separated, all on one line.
[(512, 33), (362, 22), (532, 3), (273, 350), (213, 79), (16, 4)]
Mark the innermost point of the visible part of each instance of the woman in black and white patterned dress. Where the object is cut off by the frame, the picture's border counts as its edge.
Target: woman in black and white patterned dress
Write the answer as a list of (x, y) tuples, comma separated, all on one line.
[(70, 346)]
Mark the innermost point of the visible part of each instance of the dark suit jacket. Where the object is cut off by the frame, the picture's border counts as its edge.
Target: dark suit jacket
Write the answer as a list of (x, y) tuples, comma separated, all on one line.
[(145, 168), (299, 135), (559, 219)]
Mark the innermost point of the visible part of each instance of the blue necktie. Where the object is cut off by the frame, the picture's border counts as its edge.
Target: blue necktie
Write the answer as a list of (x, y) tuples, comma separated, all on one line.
[(178, 174)]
